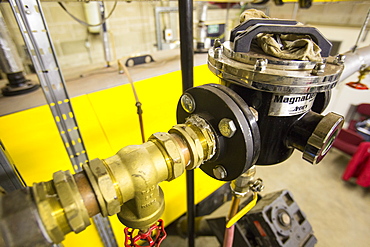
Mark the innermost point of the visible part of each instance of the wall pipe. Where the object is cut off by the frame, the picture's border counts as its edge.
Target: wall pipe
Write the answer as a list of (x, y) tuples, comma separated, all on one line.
[(187, 63), (105, 36)]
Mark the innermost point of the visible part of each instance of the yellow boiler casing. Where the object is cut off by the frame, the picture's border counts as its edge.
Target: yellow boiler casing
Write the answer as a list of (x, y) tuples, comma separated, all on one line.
[(108, 121)]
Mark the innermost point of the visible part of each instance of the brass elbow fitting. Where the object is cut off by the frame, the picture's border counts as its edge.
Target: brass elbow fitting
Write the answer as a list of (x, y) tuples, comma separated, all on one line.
[(135, 171), (126, 184)]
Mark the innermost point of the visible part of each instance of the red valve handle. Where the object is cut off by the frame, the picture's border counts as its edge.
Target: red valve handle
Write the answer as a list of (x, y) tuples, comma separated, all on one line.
[(357, 85), (153, 237)]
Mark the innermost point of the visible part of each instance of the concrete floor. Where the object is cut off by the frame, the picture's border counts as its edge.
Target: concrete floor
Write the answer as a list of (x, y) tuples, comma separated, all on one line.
[(94, 78), (338, 211)]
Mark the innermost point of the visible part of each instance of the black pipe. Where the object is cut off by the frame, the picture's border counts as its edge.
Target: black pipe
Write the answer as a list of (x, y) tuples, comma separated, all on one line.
[(186, 45), (187, 64)]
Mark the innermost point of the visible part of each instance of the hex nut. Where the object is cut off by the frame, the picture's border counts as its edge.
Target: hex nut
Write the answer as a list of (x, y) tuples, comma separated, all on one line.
[(339, 59), (198, 124), (71, 200), (95, 187), (42, 199), (219, 172), (241, 185), (217, 43), (106, 186), (177, 166), (261, 64), (227, 127), (218, 53), (319, 69)]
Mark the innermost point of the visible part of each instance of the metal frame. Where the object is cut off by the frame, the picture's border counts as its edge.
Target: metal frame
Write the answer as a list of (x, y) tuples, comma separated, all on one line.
[(31, 21), (10, 179)]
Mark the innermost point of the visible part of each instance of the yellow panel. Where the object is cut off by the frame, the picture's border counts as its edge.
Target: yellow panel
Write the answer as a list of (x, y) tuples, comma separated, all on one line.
[(108, 121), (32, 140)]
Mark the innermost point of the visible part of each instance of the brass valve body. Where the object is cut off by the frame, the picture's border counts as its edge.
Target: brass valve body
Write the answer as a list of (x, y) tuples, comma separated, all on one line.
[(126, 184)]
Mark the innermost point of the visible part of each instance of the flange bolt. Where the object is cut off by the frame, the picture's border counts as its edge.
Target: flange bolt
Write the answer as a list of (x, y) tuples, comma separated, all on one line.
[(219, 172)]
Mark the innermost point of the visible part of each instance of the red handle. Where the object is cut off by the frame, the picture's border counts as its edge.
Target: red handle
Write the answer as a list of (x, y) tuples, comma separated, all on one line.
[(153, 237)]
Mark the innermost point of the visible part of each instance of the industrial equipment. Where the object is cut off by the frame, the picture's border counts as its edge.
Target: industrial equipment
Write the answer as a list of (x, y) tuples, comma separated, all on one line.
[(276, 220), (11, 65), (266, 107)]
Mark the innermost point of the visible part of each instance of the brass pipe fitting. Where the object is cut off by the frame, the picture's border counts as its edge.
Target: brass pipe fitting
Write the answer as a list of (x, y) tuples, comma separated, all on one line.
[(246, 183), (71, 200), (143, 167), (199, 138), (51, 211), (126, 184), (60, 206), (172, 153), (104, 187)]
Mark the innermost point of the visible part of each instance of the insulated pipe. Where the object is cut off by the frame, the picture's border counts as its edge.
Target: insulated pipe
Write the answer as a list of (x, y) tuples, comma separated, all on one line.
[(187, 63), (105, 36), (354, 61), (92, 14), (10, 61), (11, 65)]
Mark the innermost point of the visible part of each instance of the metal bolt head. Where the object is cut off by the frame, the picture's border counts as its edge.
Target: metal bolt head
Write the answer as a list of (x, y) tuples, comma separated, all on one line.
[(339, 59), (187, 103), (318, 69), (217, 43), (227, 127), (218, 53), (261, 64), (219, 172), (257, 185)]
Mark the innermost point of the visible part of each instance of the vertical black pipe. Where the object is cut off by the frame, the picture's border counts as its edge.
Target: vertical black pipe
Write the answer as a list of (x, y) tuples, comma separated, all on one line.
[(187, 63), (186, 45)]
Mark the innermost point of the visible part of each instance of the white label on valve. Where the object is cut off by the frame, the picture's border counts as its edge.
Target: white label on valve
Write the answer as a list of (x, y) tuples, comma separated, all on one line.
[(291, 104)]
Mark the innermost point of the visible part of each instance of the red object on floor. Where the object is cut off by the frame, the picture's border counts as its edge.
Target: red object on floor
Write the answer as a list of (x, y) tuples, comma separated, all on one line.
[(359, 165), (357, 85), (348, 141)]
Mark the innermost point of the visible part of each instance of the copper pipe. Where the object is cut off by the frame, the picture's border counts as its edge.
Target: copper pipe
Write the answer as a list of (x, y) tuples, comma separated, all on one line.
[(229, 232), (87, 193), (184, 148), (229, 236)]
